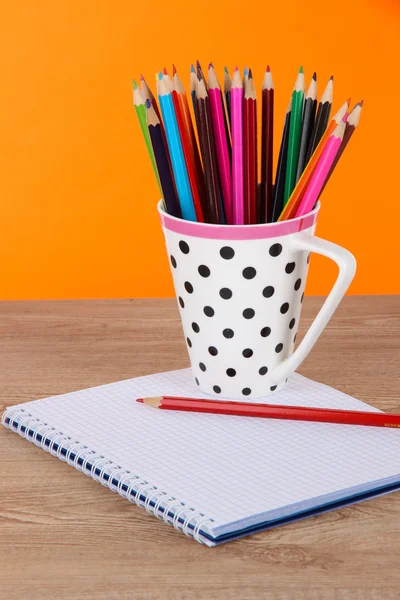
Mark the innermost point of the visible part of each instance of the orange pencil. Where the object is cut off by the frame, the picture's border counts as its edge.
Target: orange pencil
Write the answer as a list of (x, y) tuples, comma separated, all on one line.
[(187, 152), (290, 210), (187, 120)]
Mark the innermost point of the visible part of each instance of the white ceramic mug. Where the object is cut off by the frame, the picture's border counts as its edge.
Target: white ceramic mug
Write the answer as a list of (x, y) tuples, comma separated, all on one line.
[(240, 290)]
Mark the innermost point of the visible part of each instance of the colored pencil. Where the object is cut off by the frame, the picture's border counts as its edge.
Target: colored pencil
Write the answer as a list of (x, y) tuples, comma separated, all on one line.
[(148, 95), (351, 124), (227, 93), (140, 109), (221, 143), (162, 160), (237, 148), (322, 169), (178, 96), (322, 118), (207, 146), (293, 203), (168, 80), (279, 186), (193, 85), (310, 107), (176, 151), (267, 143), (294, 135), (274, 411), (250, 151), (200, 74)]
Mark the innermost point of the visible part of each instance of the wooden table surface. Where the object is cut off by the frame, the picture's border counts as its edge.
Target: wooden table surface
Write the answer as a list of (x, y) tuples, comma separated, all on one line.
[(63, 536)]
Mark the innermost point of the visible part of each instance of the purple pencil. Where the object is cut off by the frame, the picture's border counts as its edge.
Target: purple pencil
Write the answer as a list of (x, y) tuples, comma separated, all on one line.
[(221, 143), (237, 148)]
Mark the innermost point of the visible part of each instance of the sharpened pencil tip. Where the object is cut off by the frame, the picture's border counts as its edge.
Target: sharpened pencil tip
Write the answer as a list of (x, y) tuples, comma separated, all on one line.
[(226, 70), (192, 69), (246, 70), (210, 66), (139, 400), (349, 101), (165, 71), (301, 70), (314, 76), (141, 77), (160, 76), (173, 70), (331, 78), (361, 103), (250, 74), (148, 103), (236, 68), (345, 117), (198, 65), (134, 84), (268, 69)]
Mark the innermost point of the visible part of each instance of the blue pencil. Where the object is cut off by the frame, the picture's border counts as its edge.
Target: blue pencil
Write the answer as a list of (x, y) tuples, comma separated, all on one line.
[(176, 151)]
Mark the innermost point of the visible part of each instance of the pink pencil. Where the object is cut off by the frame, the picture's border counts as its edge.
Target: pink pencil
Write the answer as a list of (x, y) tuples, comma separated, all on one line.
[(322, 169), (224, 163), (237, 148)]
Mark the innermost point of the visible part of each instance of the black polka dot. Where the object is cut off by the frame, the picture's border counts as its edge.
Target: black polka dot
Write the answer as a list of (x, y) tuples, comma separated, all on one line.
[(278, 348), (217, 389), (247, 352), (188, 287), (189, 342), (308, 258), (204, 271), (248, 313), (265, 331), (231, 372), (268, 291), (209, 311), (273, 388), (284, 308), (181, 302), (246, 391), (294, 339), (225, 293), (292, 323), (173, 261), (197, 381), (275, 249), (184, 247), (249, 273), (297, 284), (290, 267), (213, 351), (195, 327), (227, 252), (202, 366), (302, 298), (228, 333), (263, 370)]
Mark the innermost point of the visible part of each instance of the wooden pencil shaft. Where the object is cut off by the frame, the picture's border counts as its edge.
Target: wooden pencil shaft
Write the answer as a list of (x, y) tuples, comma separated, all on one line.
[(267, 140), (164, 171), (294, 143), (310, 107), (320, 125), (209, 160), (346, 138), (250, 161)]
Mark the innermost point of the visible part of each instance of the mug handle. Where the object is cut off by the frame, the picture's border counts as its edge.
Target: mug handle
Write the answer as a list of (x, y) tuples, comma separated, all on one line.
[(347, 268)]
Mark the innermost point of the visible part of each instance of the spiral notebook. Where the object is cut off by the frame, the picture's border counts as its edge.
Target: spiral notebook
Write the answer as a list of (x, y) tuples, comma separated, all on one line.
[(214, 477)]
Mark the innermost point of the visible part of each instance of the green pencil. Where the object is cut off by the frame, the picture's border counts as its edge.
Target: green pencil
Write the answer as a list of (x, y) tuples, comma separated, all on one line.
[(140, 108), (294, 135)]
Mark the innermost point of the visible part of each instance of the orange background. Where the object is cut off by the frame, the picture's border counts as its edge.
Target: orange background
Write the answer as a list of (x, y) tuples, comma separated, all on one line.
[(78, 195)]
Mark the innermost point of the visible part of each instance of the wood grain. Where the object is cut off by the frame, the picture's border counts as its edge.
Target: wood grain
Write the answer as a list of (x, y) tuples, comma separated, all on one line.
[(64, 536)]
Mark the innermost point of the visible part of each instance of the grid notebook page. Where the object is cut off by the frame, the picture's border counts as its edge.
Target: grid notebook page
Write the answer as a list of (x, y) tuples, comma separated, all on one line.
[(229, 468)]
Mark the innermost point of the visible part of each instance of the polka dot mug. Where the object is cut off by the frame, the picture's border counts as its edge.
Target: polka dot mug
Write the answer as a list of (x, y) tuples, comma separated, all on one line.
[(240, 290)]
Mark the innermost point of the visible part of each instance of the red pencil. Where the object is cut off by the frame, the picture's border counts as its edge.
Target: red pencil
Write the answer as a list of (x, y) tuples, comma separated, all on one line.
[(271, 411), (250, 152)]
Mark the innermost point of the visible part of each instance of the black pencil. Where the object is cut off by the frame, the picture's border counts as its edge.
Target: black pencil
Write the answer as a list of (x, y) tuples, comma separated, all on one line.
[(279, 186), (161, 156), (208, 153), (321, 120), (310, 107)]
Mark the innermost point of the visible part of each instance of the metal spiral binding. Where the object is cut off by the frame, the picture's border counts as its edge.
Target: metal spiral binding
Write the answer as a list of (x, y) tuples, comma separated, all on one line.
[(128, 485)]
